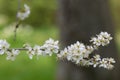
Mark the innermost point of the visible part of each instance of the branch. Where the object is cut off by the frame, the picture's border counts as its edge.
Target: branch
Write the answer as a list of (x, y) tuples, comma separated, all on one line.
[(77, 53), (22, 14)]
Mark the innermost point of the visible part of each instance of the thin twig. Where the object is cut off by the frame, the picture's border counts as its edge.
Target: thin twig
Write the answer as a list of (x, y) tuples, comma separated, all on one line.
[(15, 31), (17, 20), (21, 49)]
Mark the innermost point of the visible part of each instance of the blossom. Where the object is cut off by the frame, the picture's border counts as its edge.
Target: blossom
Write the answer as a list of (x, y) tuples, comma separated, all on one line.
[(101, 40), (97, 58), (63, 54), (90, 49), (37, 50), (106, 35), (11, 55), (107, 63), (30, 52), (24, 13), (111, 60), (50, 47), (4, 45), (95, 61), (76, 53)]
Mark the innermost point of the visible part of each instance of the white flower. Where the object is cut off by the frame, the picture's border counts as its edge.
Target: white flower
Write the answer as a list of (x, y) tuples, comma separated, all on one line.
[(77, 58), (30, 52), (51, 41), (95, 41), (11, 55), (37, 50), (107, 63), (101, 40), (97, 58), (111, 60), (76, 52), (103, 63), (25, 13), (106, 35), (63, 53), (90, 49), (3, 46), (93, 62), (50, 47)]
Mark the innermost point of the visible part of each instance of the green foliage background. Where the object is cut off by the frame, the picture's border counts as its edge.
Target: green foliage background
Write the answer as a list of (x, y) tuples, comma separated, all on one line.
[(42, 11)]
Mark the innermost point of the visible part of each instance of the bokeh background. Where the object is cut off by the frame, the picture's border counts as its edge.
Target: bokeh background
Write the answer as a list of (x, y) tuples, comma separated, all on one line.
[(40, 26)]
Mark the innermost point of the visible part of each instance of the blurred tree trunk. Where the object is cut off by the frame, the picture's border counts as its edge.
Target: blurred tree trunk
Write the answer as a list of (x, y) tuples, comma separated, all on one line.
[(78, 21)]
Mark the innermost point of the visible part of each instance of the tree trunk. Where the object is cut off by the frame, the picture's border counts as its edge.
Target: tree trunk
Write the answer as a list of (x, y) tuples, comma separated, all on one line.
[(79, 20)]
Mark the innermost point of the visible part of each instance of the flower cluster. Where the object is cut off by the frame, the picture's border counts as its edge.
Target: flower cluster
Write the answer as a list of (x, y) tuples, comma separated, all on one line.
[(77, 53), (48, 48), (80, 53), (4, 49), (23, 14), (11, 55), (101, 40), (3, 46), (105, 62)]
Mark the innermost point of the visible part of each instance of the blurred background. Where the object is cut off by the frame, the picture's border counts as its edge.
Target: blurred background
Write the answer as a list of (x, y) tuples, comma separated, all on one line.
[(40, 26)]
